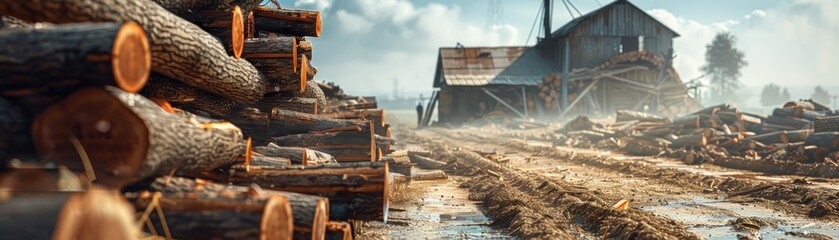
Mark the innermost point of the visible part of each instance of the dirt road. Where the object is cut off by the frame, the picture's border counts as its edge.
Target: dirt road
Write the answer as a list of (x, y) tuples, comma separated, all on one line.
[(554, 192)]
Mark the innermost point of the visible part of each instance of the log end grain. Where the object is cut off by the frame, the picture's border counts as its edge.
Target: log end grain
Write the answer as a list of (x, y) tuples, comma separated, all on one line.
[(131, 60), (304, 72), (318, 25), (237, 30), (276, 221), (320, 219), (96, 214)]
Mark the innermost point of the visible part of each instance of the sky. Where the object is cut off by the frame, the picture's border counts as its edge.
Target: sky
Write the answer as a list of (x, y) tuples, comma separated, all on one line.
[(368, 45)]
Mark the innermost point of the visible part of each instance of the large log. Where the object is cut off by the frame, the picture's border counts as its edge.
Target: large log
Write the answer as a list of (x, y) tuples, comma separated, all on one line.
[(297, 155), (180, 49), (227, 25), (309, 213), (826, 124), (67, 215), (298, 104), (362, 140), (128, 137), (73, 56), (288, 21), (229, 216), (355, 190), (284, 122), (377, 115), (183, 7), (277, 59)]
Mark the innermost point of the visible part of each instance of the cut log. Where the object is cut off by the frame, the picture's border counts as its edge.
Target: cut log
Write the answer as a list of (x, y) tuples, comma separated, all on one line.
[(68, 215), (313, 90), (801, 104), (338, 231), (309, 213), (426, 162), (432, 175), (287, 21), (794, 122), (250, 27), (826, 124), (305, 48), (624, 115), (355, 190), (772, 138), (696, 140), (363, 140), (227, 25), (688, 121), (128, 137), (73, 56), (166, 88), (297, 155), (352, 154), (298, 104), (377, 115), (216, 106), (179, 49), (183, 7), (279, 122), (190, 216), (280, 74), (824, 140)]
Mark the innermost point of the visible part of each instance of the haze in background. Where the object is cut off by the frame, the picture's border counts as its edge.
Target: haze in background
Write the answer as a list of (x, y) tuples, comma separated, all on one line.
[(368, 45)]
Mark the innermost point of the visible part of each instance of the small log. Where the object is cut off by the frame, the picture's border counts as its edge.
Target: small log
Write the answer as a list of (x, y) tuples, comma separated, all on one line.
[(426, 162), (192, 216), (277, 59), (695, 140), (689, 121), (144, 139), (362, 140), (179, 49), (309, 213), (74, 56), (624, 115), (377, 115), (338, 231), (297, 104), (297, 155), (355, 190), (287, 21), (68, 215), (305, 48), (432, 175), (800, 104), (772, 138), (826, 124), (361, 154), (794, 122)]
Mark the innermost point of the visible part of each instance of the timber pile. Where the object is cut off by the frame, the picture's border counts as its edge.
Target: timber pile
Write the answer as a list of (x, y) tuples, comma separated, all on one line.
[(801, 131), (152, 97)]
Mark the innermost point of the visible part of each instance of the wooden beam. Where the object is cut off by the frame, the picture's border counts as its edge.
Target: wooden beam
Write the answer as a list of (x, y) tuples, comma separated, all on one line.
[(576, 100), (503, 102)]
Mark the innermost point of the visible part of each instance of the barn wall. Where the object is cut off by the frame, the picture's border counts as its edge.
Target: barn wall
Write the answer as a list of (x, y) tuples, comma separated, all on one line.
[(599, 37)]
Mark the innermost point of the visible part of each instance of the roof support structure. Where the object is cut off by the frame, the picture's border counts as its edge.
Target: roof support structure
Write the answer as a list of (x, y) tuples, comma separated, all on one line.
[(503, 102), (576, 100)]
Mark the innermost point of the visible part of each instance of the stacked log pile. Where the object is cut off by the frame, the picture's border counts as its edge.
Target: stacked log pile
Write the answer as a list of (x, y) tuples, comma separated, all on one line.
[(802, 132), (199, 112)]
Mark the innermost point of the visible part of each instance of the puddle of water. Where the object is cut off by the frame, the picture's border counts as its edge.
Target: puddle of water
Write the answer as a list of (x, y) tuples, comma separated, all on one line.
[(444, 212), (710, 219)]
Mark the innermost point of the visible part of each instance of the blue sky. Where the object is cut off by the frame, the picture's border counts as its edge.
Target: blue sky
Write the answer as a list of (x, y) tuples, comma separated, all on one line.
[(367, 44)]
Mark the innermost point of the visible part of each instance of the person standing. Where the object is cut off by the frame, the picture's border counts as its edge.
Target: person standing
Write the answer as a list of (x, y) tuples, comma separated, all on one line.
[(419, 114)]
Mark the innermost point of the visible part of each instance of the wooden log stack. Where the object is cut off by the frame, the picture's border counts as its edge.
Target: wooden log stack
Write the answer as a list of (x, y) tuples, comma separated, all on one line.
[(137, 95)]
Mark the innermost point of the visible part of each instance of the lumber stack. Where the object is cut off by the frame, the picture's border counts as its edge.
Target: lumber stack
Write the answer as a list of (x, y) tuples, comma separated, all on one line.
[(205, 114)]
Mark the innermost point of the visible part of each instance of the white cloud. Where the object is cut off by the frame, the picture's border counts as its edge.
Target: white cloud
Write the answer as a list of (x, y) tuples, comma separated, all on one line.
[(351, 23), (319, 5)]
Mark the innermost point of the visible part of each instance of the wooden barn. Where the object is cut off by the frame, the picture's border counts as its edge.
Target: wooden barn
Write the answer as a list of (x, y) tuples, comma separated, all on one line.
[(615, 57)]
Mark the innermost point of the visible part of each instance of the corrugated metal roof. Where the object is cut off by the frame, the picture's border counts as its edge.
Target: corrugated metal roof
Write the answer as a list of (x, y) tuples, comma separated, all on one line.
[(576, 22), (479, 66)]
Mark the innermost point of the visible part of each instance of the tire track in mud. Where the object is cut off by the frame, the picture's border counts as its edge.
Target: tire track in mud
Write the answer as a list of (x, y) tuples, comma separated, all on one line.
[(533, 206)]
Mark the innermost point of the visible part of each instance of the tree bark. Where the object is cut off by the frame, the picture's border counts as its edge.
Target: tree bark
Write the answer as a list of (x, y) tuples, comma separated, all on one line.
[(232, 216), (824, 140), (827, 124), (305, 48), (67, 215), (287, 21), (355, 190), (284, 122), (227, 25), (73, 56), (180, 49), (313, 90), (309, 213), (297, 155), (363, 140), (431, 175), (128, 137), (338, 231), (298, 104)]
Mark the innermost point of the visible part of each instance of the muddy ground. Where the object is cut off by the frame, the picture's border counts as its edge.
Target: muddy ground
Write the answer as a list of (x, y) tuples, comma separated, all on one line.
[(566, 193)]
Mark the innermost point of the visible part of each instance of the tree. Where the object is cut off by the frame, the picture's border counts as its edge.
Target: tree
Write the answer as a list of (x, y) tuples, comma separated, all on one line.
[(723, 63), (821, 95), (772, 95)]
